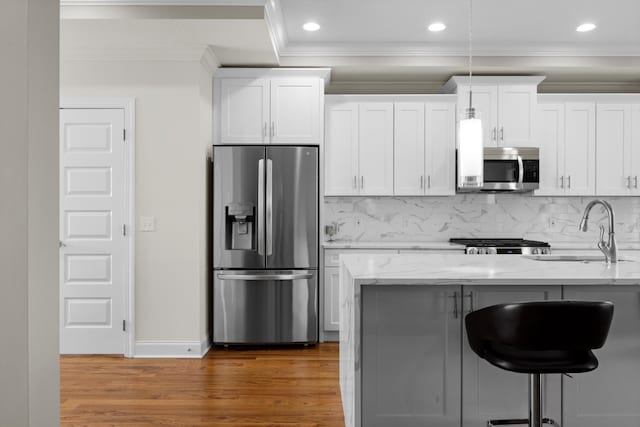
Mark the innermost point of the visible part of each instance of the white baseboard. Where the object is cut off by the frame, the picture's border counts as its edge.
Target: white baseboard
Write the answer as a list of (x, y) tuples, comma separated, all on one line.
[(171, 349)]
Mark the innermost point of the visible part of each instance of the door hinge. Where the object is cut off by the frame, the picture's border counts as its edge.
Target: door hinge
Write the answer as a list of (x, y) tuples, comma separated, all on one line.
[(124, 325), (124, 134), (124, 229)]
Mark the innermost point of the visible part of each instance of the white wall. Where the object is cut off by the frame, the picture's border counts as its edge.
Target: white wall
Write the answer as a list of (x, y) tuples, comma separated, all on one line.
[(29, 376), (173, 130)]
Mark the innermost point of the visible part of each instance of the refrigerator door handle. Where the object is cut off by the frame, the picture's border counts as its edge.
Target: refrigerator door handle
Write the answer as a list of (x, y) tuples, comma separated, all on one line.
[(254, 277), (260, 207), (269, 208)]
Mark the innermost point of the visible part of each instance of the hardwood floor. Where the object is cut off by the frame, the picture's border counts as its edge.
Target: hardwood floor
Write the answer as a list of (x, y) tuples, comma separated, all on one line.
[(275, 387)]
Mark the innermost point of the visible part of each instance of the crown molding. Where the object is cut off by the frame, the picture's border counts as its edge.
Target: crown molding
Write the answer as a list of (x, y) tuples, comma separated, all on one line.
[(614, 88), (209, 60), (162, 3)]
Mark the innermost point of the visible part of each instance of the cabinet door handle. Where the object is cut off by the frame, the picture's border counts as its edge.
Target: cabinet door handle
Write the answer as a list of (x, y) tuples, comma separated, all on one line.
[(355, 182), (471, 304), (635, 181), (562, 181), (502, 133), (362, 182), (273, 128), (493, 134), (264, 130), (428, 181), (569, 182), (455, 304), (421, 181), (629, 181)]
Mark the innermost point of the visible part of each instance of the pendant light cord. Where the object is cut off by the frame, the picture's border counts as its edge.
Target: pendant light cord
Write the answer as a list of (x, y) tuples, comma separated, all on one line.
[(471, 112)]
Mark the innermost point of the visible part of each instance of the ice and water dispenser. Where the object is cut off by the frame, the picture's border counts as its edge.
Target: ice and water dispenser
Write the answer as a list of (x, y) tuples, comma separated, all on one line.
[(240, 224)]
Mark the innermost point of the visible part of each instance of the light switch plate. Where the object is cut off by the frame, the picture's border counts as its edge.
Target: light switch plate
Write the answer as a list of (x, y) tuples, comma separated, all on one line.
[(147, 223)]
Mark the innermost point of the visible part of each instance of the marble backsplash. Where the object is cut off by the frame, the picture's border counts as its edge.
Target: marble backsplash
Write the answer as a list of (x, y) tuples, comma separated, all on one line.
[(433, 219)]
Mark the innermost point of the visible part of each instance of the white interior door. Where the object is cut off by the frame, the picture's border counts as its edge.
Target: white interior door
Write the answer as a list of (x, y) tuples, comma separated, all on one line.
[(93, 251)]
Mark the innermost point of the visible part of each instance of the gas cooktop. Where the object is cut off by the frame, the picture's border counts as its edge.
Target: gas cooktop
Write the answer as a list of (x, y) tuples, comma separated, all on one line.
[(502, 246)]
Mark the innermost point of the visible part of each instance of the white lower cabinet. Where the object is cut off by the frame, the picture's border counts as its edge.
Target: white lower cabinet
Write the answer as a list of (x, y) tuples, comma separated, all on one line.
[(410, 370), (608, 396), (493, 393), (331, 311)]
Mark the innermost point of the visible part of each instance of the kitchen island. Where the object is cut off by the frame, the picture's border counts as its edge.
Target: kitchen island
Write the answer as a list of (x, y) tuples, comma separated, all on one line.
[(404, 359)]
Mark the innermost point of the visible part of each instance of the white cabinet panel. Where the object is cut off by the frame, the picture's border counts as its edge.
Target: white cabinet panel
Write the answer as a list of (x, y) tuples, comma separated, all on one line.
[(341, 150), (580, 149), (485, 102), (244, 111), (635, 148), (331, 299), (376, 148), (440, 149), (609, 395), (409, 148), (410, 370), (493, 393), (551, 140), (613, 139), (516, 112), (295, 111)]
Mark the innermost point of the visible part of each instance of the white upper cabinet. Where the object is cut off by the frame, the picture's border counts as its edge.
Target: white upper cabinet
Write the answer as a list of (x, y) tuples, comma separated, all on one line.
[(409, 149), (295, 111), (614, 173), (376, 148), (341, 149), (424, 148), (567, 134), (244, 111), (268, 106), (505, 104), (635, 147)]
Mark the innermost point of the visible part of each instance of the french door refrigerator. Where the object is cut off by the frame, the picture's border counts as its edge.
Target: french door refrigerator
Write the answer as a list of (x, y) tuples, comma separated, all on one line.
[(265, 244)]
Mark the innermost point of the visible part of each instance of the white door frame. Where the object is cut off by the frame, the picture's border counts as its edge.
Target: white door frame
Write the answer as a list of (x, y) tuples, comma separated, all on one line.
[(128, 105)]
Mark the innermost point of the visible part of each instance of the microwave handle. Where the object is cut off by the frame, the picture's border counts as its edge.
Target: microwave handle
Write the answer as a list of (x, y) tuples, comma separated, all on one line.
[(520, 172)]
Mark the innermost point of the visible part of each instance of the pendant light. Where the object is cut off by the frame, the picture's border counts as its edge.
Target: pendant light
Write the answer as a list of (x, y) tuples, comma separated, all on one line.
[(470, 146)]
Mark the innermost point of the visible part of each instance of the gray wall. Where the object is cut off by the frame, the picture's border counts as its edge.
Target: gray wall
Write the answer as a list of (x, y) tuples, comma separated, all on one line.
[(29, 373)]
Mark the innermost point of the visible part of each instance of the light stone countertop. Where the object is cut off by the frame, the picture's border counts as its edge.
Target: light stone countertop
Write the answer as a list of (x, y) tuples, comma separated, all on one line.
[(444, 245), (445, 269)]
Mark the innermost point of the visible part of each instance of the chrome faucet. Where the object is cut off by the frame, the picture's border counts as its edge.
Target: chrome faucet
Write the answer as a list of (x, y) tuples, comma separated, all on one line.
[(609, 248)]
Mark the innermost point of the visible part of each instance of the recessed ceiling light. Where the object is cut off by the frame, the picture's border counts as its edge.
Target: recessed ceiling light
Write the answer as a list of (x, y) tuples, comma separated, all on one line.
[(437, 26), (585, 27), (311, 26)]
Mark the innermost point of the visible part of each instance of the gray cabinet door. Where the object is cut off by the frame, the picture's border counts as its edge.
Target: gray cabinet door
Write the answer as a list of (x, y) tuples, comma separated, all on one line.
[(410, 356), (610, 395), (490, 392)]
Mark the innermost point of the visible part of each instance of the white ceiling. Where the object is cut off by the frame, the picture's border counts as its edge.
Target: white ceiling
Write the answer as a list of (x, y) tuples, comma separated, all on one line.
[(500, 27), (373, 46)]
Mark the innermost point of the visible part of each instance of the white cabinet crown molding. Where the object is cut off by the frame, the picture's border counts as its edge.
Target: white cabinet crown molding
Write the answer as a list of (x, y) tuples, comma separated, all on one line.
[(269, 73), (451, 85)]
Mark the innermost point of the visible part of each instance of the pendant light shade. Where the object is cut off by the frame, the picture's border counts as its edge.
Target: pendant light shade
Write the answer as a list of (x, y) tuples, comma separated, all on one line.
[(470, 145)]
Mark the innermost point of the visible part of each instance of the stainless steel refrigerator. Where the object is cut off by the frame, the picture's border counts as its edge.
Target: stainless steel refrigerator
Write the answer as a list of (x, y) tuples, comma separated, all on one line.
[(265, 244)]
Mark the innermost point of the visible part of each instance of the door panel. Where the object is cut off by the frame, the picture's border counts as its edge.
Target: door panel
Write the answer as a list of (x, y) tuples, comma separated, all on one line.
[(341, 150), (440, 149), (281, 307), (295, 111), (93, 254), (408, 147), (610, 395), (485, 102), (292, 233), (235, 191), (613, 163), (244, 111), (516, 110), (376, 148), (410, 369), (580, 149), (490, 392), (551, 139)]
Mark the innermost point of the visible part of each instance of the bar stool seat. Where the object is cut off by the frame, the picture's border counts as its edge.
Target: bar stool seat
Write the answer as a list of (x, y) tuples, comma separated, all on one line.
[(545, 337)]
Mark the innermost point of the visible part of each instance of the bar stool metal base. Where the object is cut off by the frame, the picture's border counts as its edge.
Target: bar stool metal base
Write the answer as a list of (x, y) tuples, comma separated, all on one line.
[(535, 408)]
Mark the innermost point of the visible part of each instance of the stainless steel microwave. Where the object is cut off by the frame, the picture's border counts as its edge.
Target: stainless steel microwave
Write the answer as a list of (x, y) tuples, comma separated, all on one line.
[(510, 169)]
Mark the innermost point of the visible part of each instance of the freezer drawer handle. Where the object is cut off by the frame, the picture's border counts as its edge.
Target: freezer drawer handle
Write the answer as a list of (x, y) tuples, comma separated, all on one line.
[(264, 276)]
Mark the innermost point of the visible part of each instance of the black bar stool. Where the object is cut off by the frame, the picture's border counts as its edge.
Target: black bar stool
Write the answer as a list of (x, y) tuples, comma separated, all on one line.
[(547, 337)]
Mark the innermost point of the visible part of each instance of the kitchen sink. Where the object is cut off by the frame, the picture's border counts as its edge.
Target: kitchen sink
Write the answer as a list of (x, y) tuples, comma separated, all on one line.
[(574, 258)]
